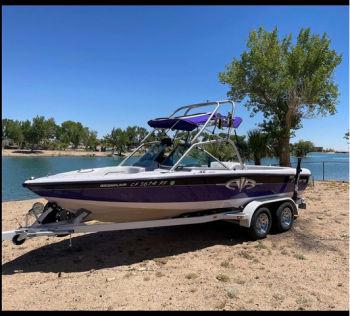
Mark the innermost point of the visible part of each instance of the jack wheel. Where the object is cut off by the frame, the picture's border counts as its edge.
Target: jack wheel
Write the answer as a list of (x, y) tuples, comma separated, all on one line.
[(16, 241)]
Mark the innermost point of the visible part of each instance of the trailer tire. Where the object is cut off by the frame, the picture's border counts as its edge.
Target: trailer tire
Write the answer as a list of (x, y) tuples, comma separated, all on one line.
[(284, 217), (260, 224)]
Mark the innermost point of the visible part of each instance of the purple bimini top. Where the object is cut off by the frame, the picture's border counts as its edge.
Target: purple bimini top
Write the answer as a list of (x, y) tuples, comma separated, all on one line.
[(190, 122)]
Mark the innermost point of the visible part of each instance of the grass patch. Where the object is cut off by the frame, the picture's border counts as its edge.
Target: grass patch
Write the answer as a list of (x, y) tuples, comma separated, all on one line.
[(284, 252), (301, 301), (274, 245), (143, 263), (225, 264), (220, 305), (161, 261), (344, 236), (239, 281), (128, 275), (278, 297), (245, 255), (260, 246), (299, 256), (231, 292), (191, 276), (159, 274), (223, 277)]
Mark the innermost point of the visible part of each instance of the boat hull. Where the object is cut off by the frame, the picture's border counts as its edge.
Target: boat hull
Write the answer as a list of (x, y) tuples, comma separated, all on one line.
[(150, 199)]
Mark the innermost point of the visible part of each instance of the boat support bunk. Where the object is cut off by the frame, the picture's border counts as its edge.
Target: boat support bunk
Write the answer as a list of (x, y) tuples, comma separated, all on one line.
[(257, 216)]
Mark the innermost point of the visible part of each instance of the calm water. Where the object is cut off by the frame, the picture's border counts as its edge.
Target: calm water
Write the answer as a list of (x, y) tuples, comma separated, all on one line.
[(15, 170)]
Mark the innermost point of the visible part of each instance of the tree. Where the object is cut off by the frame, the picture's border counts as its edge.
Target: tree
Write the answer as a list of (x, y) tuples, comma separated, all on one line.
[(346, 136), (302, 148), (285, 82), (141, 133), (135, 135), (12, 130), (49, 128), (258, 145), (224, 150), (35, 131), (118, 139), (90, 139), (72, 132)]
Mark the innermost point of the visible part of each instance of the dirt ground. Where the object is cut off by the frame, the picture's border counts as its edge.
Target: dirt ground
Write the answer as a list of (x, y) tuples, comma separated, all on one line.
[(200, 267)]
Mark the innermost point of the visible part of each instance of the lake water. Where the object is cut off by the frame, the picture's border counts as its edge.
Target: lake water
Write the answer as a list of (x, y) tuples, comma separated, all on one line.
[(15, 170)]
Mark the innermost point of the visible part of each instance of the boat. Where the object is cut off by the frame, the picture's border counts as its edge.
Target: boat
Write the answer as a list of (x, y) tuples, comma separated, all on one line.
[(173, 173)]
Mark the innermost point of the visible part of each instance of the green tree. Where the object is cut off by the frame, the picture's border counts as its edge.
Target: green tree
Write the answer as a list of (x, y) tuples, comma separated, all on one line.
[(118, 139), (141, 133), (224, 150), (90, 139), (285, 82), (131, 134), (35, 131), (73, 132), (49, 139), (12, 130), (258, 143), (346, 136), (302, 148), (26, 130)]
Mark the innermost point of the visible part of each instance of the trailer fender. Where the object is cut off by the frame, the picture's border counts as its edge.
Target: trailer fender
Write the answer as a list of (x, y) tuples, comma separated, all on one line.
[(251, 207)]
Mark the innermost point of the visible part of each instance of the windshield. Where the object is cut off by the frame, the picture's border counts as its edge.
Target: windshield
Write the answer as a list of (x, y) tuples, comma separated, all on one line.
[(195, 158), (150, 155), (165, 154), (153, 156)]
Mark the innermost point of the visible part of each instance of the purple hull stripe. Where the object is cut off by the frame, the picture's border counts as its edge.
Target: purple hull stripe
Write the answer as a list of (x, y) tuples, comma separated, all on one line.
[(194, 193)]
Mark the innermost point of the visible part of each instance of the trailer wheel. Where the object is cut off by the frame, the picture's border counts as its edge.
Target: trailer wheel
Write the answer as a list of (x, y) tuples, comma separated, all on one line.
[(260, 224), (284, 217), (16, 241)]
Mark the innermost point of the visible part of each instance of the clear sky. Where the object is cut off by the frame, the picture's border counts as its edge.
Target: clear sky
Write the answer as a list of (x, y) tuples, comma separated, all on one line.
[(114, 66)]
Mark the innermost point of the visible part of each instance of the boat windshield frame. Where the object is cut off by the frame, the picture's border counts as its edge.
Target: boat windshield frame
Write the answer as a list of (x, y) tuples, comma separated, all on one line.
[(193, 143)]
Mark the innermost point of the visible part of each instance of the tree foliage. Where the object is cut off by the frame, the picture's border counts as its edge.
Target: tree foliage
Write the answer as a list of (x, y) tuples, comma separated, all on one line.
[(118, 138), (258, 144), (302, 148), (11, 130), (284, 81)]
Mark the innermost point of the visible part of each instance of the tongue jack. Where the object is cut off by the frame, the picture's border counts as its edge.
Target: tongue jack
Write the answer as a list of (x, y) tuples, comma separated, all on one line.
[(296, 180)]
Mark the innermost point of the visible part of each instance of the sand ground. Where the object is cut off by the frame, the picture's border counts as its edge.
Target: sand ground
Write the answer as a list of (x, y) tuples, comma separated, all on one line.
[(200, 267)]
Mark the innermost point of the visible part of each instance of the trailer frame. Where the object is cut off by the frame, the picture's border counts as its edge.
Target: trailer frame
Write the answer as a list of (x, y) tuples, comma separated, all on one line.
[(242, 217)]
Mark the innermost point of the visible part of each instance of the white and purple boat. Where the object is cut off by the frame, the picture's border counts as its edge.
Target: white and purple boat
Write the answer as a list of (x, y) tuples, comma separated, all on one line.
[(172, 173)]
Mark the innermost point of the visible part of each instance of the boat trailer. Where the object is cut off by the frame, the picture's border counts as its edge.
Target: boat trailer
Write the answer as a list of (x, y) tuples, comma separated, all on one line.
[(257, 216)]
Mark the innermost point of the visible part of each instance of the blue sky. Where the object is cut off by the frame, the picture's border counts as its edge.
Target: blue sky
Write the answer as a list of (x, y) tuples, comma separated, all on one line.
[(114, 66)]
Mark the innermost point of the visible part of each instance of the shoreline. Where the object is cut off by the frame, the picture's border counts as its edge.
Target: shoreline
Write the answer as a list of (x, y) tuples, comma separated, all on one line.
[(53, 153)]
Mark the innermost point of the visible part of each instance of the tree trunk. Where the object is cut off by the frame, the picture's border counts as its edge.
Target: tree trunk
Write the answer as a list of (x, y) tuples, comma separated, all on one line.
[(284, 141), (257, 161), (284, 153)]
